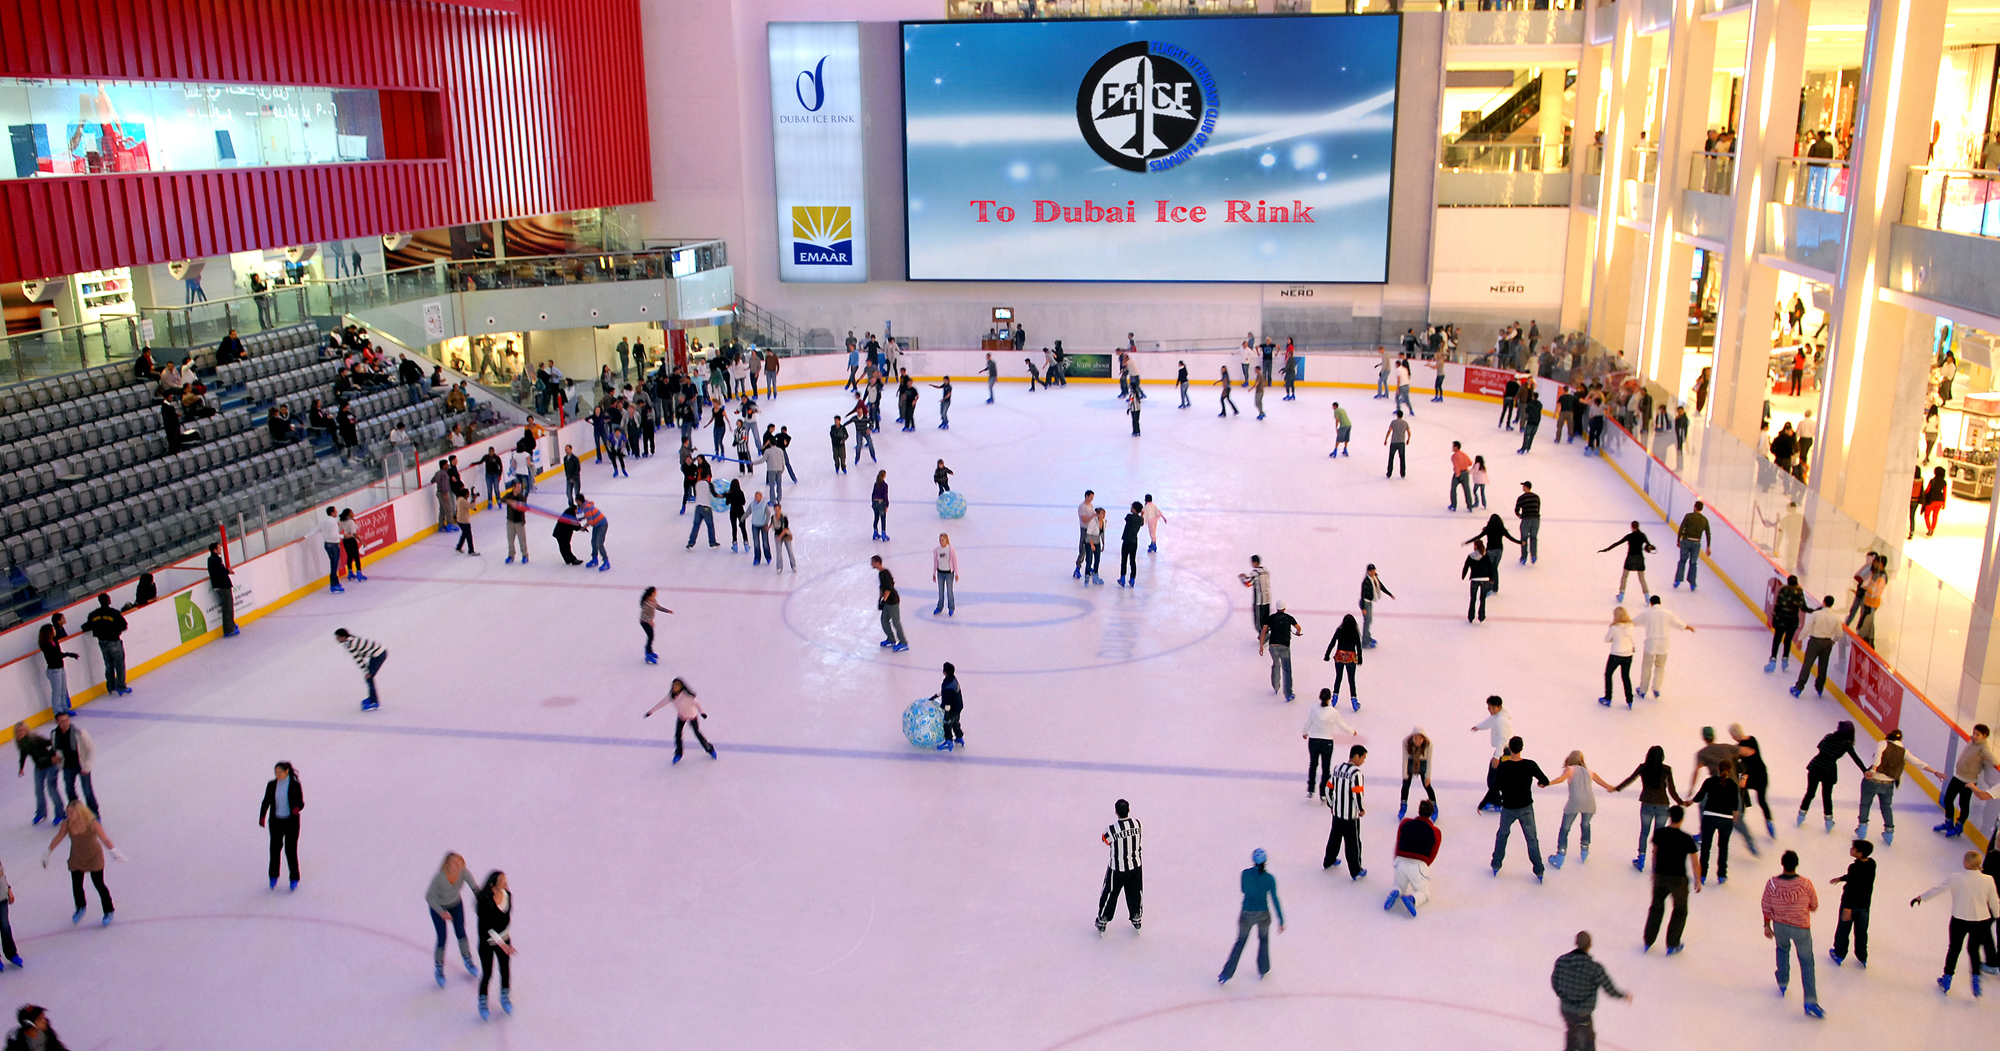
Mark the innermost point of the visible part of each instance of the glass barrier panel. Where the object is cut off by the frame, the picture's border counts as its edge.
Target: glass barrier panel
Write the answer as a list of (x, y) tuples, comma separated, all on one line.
[(1712, 173), (1820, 184)]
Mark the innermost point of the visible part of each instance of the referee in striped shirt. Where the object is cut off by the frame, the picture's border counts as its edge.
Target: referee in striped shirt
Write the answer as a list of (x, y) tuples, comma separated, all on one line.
[(369, 655), (1124, 874), (1343, 797)]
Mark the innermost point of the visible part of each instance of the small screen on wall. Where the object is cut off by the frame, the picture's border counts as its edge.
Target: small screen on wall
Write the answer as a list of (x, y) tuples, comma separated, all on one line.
[(1167, 149)]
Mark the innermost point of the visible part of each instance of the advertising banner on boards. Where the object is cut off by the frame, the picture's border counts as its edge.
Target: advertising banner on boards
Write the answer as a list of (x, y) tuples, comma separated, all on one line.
[(816, 144), (1481, 380)]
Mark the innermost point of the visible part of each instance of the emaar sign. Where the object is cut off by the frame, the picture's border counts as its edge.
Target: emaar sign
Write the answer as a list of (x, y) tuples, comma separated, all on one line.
[(817, 148)]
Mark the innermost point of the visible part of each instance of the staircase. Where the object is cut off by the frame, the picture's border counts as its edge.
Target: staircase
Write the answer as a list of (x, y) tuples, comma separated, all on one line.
[(1508, 117)]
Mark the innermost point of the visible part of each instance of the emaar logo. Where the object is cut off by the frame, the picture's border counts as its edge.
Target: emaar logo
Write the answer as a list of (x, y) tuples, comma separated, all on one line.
[(817, 74)]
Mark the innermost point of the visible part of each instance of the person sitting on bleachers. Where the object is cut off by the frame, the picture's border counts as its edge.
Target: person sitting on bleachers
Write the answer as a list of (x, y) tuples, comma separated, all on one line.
[(171, 380), (144, 368), (374, 378), (343, 382), (195, 404), (455, 401), (456, 438), (229, 350), (284, 429), (438, 382), (318, 419)]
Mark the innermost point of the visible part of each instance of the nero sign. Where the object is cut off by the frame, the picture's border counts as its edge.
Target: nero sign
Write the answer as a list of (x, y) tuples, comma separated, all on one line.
[(816, 145)]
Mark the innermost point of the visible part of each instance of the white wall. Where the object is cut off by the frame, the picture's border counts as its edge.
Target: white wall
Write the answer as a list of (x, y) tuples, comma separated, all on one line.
[(709, 96), (1499, 265)]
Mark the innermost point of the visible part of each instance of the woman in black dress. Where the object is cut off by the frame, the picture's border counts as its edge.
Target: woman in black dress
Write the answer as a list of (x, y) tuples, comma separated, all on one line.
[(1636, 547)]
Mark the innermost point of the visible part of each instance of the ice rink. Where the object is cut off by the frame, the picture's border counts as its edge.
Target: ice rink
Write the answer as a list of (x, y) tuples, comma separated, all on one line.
[(823, 885)]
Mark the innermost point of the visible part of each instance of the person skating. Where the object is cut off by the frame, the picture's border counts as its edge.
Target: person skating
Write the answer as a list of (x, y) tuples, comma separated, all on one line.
[(1258, 580), (1258, 888), (944, 572), (1756, 783), (108, 626), (1656, 788), (1822, 628), (1619, 637), (890, 605), (1344, 796), (1154, 516), (1659, 623), (1181, 381), (462, 517), (1322, 722), (87, 843), (1975, 904), (1719, 800), (1789, 901), (1124, 874), (1857, 894), (369, 657), (7, 947), (951, 702), (878, 502), (1673, 849), (1694, 530), (494, 906), (1576, 979), (445, 904), (1227, 404), (75, 753), (1397, 438), (1515, 778), (1417, 842), (1086, 514), (992, 375), (1344, 650), (1479, 572), (515, 501), (1372, 588), (1128, 546), (944, 404), (649, 605), (283, 800), (1343, 429), (1786, 607), (1494, 533), (1974, 760), (1093, 548), (564, 533), (1277, 633), (34, 748), (1416, 767), (838, 433), (589, 517), (1528, 510), (1881, 779), (687, 712), (1461, 478), (1499, 726), (942, 477), (1582, 804), (1823, 770), (1636, 546)]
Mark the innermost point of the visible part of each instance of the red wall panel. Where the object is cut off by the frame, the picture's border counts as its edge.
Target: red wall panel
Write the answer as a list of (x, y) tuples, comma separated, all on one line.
[(536, 112)]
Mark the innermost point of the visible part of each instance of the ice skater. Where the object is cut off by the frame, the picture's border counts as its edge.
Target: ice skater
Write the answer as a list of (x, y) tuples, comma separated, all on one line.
[(1344, 650), (1277, 634), (1857, 894), (87, 843), (442, 898), (1619, 637), (1124, 873), (1576, 979), (687, 712), (1398, 440), (1823, 769), (781, 539), (1093, 548), (1478, 571), (494, 906), (1822, 628), (1974, 905), (944, 572), (1495, 534), (1258, 580), (1417, 843), (878, 502), (369, 657), (889, 605), (1636, 546), (944, 404), (1719, 799), (1974, 760), (1154, 516), (1416, 767), (649, 605), (992, 376), (1580, 807), (1499, 726), (1788, 903), (942, 476), (1321, 724), (1786, 607), (1516, 777), (350, 544), (1345, 789), (1659, 623), (283, 800), (34, 748), (1128, 546), (1227, 404), (1343, 429), (838, 434), (1181, 381), (1258, 886), (1656, 788), (1372, 589), (1881, 780), (951, 701), (587, 516), (1673, 849)]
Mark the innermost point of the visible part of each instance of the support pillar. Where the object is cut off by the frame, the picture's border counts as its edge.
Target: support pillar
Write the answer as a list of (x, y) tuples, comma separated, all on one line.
[(1581, 255), (1689, 78), (1631, 66)]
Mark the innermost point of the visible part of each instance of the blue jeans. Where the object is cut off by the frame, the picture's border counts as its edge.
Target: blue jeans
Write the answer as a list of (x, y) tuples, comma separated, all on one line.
[(1244, 922), (1526, 816), (775, 481), (947, 595), (597, 550), (45, 781), (1690, 561), (58, 690), (114, 663), (1872, 790), (332, 564), (1281, 668), (457, 914), (702, 513), (1788, 936), (1531, 539), (1562, 838), (1403, 401), (760, 544), (1382, 384), (70, 774), (1461, 480), (1651, 819), (374, 665), (1368, 622)]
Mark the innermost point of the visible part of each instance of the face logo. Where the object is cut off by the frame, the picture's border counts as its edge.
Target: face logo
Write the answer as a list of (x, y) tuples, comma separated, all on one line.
[(1146, 106), (822, 236), (817, 77)]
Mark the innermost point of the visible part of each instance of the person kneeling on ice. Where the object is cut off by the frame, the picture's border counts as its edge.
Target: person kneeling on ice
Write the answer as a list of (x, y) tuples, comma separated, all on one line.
[(1417, 842), (686, 713)]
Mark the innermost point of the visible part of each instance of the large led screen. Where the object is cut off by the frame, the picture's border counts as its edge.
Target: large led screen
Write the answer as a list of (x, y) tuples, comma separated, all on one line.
[(1170, 149)]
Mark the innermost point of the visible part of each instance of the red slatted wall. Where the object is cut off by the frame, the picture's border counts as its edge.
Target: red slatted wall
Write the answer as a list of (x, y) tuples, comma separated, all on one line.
[(542, 111)]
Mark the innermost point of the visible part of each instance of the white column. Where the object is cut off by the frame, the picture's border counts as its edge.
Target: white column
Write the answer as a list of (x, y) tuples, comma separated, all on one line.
[(1683, 121)]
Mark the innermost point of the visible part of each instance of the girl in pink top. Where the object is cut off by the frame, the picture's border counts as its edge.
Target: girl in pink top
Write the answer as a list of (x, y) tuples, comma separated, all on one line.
[(686, 713)]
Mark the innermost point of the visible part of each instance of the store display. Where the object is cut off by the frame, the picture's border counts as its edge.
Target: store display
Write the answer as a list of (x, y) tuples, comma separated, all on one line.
[(1970, 464)]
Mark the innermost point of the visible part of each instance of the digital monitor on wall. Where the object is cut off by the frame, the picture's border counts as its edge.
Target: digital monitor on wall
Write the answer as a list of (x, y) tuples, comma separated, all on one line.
[(1169, 149)]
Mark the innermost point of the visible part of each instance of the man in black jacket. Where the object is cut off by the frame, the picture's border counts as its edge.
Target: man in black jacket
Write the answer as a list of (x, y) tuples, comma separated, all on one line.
[(108, 625), (225, 596), (229, 350), (1515, 779), (412, 375)]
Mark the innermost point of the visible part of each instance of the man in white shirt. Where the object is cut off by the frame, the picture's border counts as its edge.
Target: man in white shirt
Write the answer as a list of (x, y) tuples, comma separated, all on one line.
[(329, 537), (1321, 724), (1258, 580), (1086, 513), (1660, 623), (1499, 726), (1974, 905), (1822, 627)]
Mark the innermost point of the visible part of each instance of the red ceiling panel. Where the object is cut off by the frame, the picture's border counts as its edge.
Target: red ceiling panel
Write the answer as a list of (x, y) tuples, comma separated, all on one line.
[(540, 109)]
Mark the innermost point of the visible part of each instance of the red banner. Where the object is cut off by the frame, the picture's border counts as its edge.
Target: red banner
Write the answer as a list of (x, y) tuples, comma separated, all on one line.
[(376, 528), (1482, 380), (1874, 687)]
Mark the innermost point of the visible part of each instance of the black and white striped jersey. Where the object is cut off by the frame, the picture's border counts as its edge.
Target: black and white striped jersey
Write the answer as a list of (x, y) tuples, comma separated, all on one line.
[(1343, 791), (1123, 836)]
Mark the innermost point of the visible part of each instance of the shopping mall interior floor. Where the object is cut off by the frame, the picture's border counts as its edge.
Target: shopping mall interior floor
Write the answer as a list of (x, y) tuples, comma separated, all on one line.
[(823, 884)]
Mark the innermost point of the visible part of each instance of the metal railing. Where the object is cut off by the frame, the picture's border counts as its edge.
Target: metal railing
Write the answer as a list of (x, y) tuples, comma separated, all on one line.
[(774, 330), (1954, 200), (1819, 183), (53, 351), (1503, 157), (1712, 172)]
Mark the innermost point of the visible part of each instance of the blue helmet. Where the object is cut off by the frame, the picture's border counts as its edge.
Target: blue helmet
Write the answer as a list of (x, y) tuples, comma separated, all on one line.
[(1257, 856)]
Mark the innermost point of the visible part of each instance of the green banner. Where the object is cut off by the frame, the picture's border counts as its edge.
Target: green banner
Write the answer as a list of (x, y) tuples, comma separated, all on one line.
[(193, 624), (1088, 366)]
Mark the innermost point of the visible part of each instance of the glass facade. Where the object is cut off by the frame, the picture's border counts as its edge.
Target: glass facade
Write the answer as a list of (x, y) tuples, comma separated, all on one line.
[(96, 127)]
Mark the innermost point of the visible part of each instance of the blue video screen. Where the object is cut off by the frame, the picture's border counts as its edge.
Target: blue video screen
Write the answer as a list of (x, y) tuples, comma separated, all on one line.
[(1168, 149)]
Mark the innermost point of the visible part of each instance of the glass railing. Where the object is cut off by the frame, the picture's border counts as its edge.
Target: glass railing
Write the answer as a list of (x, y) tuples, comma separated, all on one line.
[(1644, 164), (988, 10), (1712, 173), (1503, 157), (1593, 159), (1955, 200), (1811, 182), (53, 351)]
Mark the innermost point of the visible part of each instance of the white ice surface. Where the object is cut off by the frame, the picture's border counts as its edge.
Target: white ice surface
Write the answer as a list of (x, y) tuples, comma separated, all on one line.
[(824, 886)]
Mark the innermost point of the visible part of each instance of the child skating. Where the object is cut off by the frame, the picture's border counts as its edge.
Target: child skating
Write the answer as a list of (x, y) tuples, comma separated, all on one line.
[(649, 604), (686, 713)]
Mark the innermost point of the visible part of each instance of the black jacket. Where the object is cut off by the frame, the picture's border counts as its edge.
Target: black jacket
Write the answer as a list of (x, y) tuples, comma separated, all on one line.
[(18, 1041), (105, 622), (296, 796), (1346, 637), (218, 573)]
